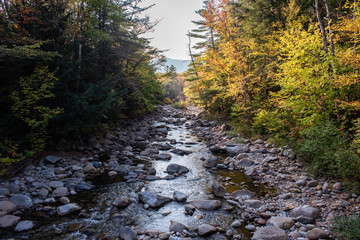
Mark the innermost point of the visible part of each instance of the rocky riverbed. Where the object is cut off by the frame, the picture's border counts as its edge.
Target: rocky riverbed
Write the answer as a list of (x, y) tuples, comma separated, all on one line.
[(171, 175)]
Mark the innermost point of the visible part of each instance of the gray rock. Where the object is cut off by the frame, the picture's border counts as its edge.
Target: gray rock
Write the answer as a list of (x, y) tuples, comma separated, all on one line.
[(153, 200), (177, 227), (317, 233), (52, 159), (242, 194), (206, 229), (254, 203), (289, 153), (21, 201), (4, 191), (7, 207), (189, 209), (163, 156), (218, 190), (281, 222), (43, 193), (152, 178), (338, 186), (56, 184), (89, 168), (127, 233), (8, 221), (176, 168), (305, 214), (252, 172), (13, 188), (270, 233), (206, 204), (236, 224), (312, 183), (24, 226), (64, 200), (162, 130), (112, 173), (179, 196), (181, 152), (244, 163), (211, 162), (235, 150), (121, 202), (84, 186), (250, 227), (60, 192), (67, 209)]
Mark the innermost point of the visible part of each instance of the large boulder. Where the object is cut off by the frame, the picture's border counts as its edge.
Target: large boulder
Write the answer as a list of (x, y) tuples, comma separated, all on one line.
[(206, 229), (206, 204), (270, 233), (176, 168), (67, 209), (21, 201), (218, 190), (281, 222), (8, 221), (177, 227), (305, 214), (153, 200)]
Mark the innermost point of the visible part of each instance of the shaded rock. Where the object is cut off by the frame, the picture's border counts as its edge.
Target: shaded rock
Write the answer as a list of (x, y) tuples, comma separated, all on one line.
[(75, 226), (211, 162), (281, 222), (254, 203), (177, 227), (270, 233), (206, 204), (242, 194), (153, 200), (317, 233), (164, 236), (84, 186), (218, 190), (56, 184), (127, 233), (64, 200), (7, 207), (338, 186), (162, 130), (89, 168), (289, 153), (43, 193), (13, 188), (244, 163), (52, 159), (24, 226), (252, 172), (21, 201), (121, 202), (305, 214), (112, 173), (179, 196), (216, 149), (236, 224), (206, 229), (8, 221), (250, 227), (189, 209), (163, 156), (4, 191), (235, 150), (60, 192), (152, 178), (176, 168), (67, 209), (181, 152)]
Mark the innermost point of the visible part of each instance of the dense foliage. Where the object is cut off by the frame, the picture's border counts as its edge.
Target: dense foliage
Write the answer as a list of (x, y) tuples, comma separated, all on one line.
[(68, 67), (287, 69)]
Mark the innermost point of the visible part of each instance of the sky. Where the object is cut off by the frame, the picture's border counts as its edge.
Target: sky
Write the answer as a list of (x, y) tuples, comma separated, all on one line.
[(175, 21)]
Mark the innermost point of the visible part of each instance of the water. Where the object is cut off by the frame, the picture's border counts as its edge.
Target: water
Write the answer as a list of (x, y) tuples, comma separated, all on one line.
[(106, 219)]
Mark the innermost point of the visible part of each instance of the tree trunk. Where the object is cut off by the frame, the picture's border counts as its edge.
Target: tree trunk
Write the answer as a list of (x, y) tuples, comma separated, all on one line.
[(328, 18), (192, 58), (323, 33)]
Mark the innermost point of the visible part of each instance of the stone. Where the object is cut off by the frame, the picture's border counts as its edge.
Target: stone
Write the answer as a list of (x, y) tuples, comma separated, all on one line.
[(242, 194), (244, 163), (112, 173), (64, 200), (236, 224), (21, 201), (67, 209), (254, 203), (164, 236), (153, 200), (270, 233), (312, 183), (60, 192), (121, 202), (176, 168), (206, 229), (181, 152), (59, 170), (13, 188), (7, 207), (289, 153), (89, 168), (281, 222), (177, 227), (75, 226), (84, 186), (179, 196), (250, 227), (218, 190), (305, 214), (4, 191), (211, 162), (235, 150), (189, 209), (127, 233), (52, 159), (338, 186), (24, 226), (252, 172), (56, 184), (206, 204), (43, 193), (8, 221), (163, 156), (317, 233)]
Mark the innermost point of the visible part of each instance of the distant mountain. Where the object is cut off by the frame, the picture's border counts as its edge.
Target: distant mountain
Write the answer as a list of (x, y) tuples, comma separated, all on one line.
[(180, 65)]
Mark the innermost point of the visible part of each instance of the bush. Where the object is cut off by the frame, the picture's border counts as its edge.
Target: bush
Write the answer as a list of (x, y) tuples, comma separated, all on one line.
[(180, 105), (347, 228)]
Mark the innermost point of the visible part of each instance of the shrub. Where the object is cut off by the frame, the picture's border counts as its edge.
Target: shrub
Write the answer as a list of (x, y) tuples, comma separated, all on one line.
[(179, 105), (347, 228)]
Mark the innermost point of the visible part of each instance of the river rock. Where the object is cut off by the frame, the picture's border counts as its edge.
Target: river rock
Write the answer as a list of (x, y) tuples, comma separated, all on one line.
[(243, 194), (64, 200), (338, 186), (43, 193), (89, 168), (177, 227), (317, 233), (8, 221), (179, 196), (21, 201), (305, 214), (254, 203), (13, 188), (236, 224), (56, 184), (75, 226), (189, 209), (206, 229), (127, 233), (289, 153), (244, 163), (176, 168), (218, 190), (235, 150), (211, 162), (270, 233), (206, 204), (121, 202), (52, 159), (4, 191), (60, 192), (84, 186), (281, 222), (7, 207), (24, 226), (163, 156), (181, 152), (153, 200), (67, 209)]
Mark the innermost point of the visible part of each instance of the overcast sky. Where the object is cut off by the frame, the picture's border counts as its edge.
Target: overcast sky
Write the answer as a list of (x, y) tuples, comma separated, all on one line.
[(176, 17)]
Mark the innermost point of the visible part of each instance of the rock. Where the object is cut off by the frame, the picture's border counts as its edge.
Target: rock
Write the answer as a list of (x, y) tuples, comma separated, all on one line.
[(250, 227), (24, 226), (317, 233), (176, 168), (13, 188), (64, 200), (67, 209), (181, 152), (7, 207), (177, 227), (84, 186), (206, 204), (8, 221), (52, 159), (112, 173), (60, 192), (89, 168), (162, 130), (21, 201), (252, 172), (235, 150), (270, 233), (189, 209), (4, 191), (242, 194), (254, 203), (164, 236), (179, 196), (153, 200), (163, 156), (305, 214), (56, 184), (206, 229), (244, 163), (216, 149), (127, 233), (338, 186), (152, 178), (236, 224), (289, 153), (43, 193), (218, 190), (281, 222), (312, 183), (211, 162), (121, 202), (75, 226)]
